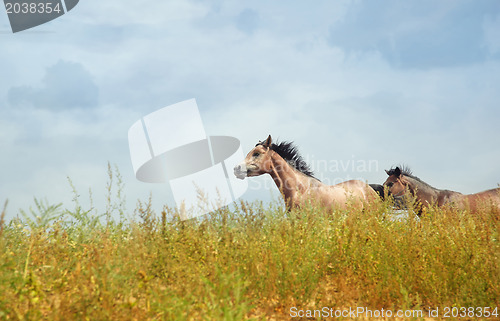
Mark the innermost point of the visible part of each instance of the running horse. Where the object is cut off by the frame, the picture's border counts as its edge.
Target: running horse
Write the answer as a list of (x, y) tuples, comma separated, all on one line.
[(295, 180), (401, 181)]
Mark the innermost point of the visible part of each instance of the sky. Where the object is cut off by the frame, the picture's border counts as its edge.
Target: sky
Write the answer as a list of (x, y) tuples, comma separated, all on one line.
[(359, 86)]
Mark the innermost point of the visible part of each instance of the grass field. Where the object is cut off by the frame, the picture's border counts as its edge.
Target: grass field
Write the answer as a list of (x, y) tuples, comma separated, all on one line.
[(254, 262)]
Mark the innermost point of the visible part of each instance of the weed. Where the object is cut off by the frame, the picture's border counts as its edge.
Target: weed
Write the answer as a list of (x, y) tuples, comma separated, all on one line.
[(254, 261)]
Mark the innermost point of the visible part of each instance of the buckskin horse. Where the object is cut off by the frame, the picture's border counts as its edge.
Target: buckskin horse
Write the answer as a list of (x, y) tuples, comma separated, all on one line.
[(295, 180), (401, 181)]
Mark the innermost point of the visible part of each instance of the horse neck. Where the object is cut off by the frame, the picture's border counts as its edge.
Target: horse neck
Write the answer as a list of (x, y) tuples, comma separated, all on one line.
[(287, 179), (425, 192), (422, 191), (430, 195)]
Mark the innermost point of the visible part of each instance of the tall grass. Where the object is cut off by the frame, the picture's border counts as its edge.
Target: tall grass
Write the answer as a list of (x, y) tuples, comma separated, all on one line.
[(252, 262)]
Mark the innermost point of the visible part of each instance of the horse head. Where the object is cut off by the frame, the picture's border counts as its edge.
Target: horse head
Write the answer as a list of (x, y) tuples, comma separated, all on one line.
[(396, 182), (257, 162)]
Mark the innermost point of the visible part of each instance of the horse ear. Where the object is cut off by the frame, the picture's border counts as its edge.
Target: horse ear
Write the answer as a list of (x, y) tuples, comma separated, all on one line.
[(397, 172), (268, 142), (387, 172)]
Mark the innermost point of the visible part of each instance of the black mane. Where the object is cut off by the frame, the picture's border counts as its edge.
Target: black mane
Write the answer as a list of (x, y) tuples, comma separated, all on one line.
[(291, 155), (406, 171)]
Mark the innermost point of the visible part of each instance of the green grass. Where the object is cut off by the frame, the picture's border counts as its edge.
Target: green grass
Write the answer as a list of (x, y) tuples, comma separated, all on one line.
[(254, 262)]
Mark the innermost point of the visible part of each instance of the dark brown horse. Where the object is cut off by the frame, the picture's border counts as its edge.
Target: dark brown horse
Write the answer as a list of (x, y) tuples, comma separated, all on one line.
[(295, 180), (402, 181)]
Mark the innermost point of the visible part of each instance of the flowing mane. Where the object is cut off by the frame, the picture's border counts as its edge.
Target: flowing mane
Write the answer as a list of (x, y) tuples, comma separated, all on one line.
[(282, 161), (406, 171), (426, 195), (291, 155)]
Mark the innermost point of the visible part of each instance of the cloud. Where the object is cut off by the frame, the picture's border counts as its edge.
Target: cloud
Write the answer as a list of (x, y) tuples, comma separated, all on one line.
[(416, 34), (247, 21), (392, 81), (66, 85), (491, 28), (159, 13)]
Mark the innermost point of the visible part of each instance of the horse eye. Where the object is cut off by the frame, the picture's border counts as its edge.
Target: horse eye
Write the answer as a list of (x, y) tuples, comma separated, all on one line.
[(390, 184), (256, 154)]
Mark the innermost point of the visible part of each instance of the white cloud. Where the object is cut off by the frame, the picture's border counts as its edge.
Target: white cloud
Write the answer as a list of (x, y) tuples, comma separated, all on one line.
[(139, 12), (414, 34), (66, 85), (284, 77), (491, 29)]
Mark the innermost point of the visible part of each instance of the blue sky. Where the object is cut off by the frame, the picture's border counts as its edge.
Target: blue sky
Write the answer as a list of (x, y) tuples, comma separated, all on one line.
[(414, 82)]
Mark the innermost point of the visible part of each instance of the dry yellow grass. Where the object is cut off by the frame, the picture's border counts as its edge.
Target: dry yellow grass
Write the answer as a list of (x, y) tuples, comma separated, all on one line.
[(252, 262)]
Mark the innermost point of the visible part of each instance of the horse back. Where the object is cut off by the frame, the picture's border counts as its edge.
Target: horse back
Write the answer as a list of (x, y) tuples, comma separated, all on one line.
[(449, 197), (490, 197), (358, 189)]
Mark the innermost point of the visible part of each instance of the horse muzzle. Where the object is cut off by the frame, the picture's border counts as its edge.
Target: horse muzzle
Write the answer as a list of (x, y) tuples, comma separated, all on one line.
[(240, 171)]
